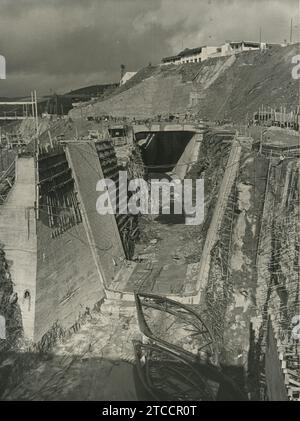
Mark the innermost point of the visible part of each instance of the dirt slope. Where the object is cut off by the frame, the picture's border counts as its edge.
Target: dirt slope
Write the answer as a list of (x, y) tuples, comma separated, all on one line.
[(217, 88)]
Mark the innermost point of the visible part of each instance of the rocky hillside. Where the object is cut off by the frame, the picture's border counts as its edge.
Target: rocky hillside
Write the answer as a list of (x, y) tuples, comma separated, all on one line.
[(227, 87)]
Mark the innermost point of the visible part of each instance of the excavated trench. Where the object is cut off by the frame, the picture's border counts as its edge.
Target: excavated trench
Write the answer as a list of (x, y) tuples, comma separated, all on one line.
[(162, 269)]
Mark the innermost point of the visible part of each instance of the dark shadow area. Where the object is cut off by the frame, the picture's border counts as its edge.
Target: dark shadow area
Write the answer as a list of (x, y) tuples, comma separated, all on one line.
[(173, 382), (46, 376), (163, 152), (171, 219), (168, 375), (49, 377), (254, 366)]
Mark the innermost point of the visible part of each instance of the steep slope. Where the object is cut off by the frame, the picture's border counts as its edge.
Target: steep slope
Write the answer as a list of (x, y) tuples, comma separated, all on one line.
[(152, 96), (230, 87), (255, 78)]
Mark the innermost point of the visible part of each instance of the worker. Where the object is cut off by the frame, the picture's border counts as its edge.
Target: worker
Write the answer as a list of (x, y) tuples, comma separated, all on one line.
[(281, 159), (88, 312)]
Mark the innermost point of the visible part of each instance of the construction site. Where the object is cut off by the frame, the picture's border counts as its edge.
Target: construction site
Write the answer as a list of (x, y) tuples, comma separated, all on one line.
[(147, 306)]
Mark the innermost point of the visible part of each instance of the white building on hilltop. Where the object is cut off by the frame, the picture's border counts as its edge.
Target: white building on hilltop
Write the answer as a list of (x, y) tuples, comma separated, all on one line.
[(236, 47), (199, 54), (191, 55)]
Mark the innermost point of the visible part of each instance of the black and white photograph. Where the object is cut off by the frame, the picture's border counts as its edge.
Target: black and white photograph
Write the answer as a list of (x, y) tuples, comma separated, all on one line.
[(149, 204)]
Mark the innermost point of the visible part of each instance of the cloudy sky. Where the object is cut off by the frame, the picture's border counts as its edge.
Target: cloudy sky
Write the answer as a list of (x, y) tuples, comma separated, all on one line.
[(58, 45)]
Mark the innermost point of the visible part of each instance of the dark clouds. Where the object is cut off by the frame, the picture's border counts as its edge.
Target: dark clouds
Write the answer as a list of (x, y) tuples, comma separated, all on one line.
[(64, 44)]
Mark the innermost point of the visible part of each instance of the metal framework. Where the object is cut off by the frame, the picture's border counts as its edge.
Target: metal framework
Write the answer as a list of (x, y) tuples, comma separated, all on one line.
[(167, 374), (27, 105), (186, 319)]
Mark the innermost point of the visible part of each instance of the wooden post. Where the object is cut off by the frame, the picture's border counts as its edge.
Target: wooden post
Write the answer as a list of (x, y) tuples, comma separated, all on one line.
[(36, 116), (261, 141), (50, 138)]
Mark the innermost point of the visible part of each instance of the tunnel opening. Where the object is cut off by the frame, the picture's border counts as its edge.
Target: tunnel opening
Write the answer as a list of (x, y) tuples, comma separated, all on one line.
[(161, 151), (166, 156)]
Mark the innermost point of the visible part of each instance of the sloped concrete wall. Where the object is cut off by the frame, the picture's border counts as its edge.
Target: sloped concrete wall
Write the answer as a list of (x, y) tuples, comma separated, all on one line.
[(68, 276), (103, 232), (18, 234), (57, 277)]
